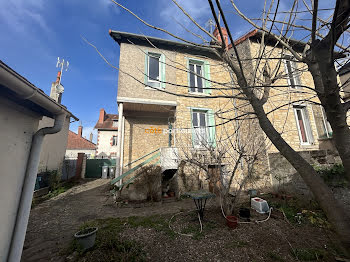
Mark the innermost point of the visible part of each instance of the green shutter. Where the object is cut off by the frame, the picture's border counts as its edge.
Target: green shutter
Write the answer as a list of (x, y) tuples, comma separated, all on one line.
[(162, 70), (192, 129), (146, 68), (207, 77), (211, 121)]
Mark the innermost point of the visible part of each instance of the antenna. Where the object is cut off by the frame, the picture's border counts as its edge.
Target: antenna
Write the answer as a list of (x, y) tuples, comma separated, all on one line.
[(61, 64), (210, 24)]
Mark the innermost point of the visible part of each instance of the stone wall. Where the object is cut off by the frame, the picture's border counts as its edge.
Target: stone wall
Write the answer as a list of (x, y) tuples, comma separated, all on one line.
[(285, 178)]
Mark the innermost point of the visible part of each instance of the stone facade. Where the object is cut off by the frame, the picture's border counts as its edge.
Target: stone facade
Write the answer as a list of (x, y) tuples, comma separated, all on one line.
[(142, 116)]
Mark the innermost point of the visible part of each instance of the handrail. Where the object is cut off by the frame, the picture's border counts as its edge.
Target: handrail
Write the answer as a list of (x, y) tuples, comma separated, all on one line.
[(135, 168), (128, 164), (134, 177)]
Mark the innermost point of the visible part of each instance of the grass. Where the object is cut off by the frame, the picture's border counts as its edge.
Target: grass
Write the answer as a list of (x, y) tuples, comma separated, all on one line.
[(309, 254), (275, 257), (298, 211), (62, 187), (108, 246)]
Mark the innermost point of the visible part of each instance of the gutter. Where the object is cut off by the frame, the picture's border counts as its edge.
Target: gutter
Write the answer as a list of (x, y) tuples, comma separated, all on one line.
[(25, 203), (25, 90)]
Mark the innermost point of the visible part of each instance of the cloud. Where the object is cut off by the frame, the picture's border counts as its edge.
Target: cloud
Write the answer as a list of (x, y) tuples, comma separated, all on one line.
[(20, 15), (171, 15)]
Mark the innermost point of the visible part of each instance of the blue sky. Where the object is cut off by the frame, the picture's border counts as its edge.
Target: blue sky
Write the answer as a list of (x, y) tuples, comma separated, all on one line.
[(36, 32)]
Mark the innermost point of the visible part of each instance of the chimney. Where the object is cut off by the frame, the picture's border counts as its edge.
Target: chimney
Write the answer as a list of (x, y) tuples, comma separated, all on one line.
[(57, 89), (80, 131), (102, 116), (216, 33), (91, 137)]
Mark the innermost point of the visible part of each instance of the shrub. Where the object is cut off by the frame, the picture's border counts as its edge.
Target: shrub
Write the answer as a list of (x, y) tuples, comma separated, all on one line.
[(333, 175)]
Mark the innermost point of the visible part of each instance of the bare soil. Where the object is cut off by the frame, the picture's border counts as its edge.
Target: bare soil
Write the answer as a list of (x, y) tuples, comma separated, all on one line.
[(53, 223)]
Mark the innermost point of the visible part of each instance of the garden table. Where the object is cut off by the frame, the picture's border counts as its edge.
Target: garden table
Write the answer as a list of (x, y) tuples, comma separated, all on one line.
[(198, 197)]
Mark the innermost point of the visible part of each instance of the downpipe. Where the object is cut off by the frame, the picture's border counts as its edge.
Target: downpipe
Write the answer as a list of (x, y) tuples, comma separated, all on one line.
[(25, 202)]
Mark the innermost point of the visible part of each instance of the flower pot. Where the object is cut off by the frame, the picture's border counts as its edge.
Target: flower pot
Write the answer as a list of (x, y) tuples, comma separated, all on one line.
[(231, 221), (171, 194), (86, 237)]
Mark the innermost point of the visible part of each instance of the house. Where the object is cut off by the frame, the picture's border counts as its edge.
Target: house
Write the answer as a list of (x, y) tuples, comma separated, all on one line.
[(107, 135), (78, 144), (22, 107), (152, 118)]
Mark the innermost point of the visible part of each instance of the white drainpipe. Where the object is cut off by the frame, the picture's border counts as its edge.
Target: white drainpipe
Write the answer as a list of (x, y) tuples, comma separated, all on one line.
[(25, 203), (119, 148), (122, 149)]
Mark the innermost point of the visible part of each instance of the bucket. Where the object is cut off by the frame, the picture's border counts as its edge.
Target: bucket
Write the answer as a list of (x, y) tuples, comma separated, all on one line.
[(231, 221)]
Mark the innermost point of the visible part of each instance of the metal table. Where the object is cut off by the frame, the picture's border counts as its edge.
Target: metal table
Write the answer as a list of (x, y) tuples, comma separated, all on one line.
[(200, 196)]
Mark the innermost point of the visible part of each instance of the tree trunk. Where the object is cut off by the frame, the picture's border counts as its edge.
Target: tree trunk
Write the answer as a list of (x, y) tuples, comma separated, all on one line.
[(323, 195), (324, 75)]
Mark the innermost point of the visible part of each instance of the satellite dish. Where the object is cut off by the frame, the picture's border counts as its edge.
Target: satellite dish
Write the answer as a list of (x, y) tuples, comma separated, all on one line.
[(60, 89)]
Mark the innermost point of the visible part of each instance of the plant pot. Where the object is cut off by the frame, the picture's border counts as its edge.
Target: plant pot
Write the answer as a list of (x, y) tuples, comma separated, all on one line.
[(86, 237), (171, 194), (231, 221)]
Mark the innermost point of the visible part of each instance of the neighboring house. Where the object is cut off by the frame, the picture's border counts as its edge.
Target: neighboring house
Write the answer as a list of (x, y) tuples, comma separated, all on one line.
[(22, 107), (78, 144), (145, 113), (107, 135)]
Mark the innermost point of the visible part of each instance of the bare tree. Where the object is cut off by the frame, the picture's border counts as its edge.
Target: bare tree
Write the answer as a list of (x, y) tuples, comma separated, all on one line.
[(256, 81)]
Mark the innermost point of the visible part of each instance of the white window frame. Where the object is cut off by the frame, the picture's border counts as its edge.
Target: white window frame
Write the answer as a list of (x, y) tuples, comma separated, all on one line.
[(307, 124), (199, 139), (326, 124), (295, 74), (116, 140), (159, 67), (196, 88)]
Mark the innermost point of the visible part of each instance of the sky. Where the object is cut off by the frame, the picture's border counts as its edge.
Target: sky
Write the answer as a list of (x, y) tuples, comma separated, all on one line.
[(36, 32)]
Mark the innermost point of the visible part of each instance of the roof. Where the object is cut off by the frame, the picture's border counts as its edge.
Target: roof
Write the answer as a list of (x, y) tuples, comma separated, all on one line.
[(18, 89), (108, 122), (125, 37), (257, 34), (77, 142)]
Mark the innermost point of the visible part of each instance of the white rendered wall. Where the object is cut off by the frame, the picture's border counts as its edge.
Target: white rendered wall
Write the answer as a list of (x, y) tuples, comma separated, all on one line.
[(104, 142), (17, 128)]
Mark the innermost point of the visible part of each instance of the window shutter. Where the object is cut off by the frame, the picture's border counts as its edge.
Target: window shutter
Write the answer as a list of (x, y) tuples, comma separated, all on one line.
[(192, 129), (188, 78), (286, 71), (296, 74), (212, 127), (207, 77), (146, 68), (162, 70)]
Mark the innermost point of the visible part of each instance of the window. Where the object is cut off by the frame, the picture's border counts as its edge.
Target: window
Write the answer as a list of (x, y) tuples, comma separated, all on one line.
[(303, 125), (115, 123), (154, 70), (200, 132), (323, 127), (293, 75), (198, 76), (114, 140), (196, 80), (203, 128)]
